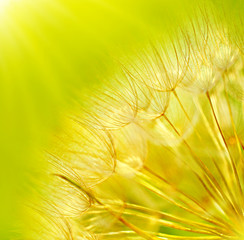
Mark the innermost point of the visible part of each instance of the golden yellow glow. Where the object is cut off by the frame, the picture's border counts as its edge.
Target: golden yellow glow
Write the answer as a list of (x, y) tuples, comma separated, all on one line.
[(160, 145), (50, 50), (4, 3)]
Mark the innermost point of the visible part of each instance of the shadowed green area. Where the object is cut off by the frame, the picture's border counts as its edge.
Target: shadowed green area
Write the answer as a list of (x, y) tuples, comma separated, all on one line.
[(49, 50)]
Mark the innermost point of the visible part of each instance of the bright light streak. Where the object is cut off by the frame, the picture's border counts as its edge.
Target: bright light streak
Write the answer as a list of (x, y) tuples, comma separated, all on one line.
[(4, 3)]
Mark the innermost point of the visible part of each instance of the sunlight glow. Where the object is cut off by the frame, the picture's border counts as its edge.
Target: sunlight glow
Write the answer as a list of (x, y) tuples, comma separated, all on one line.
[(4, 3)]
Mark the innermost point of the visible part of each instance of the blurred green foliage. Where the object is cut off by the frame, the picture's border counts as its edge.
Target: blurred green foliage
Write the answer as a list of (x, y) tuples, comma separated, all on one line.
[(49, 50)]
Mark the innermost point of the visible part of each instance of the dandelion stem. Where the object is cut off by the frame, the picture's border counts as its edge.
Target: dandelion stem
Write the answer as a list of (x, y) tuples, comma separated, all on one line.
[(212, 219), (208, 175), (226, 145)]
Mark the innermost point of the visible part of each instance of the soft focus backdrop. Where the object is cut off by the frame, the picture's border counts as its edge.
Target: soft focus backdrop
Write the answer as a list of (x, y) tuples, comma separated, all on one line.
[(49, 51)]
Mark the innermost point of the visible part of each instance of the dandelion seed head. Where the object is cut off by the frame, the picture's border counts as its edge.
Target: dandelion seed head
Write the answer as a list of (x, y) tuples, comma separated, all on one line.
[(159, 155)]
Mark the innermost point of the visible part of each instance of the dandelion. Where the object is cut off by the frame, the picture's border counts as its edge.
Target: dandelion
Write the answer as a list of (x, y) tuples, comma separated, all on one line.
[(159, 155)]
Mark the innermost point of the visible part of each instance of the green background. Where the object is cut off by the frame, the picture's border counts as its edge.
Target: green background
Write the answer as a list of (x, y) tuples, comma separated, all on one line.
[(50, 50)]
